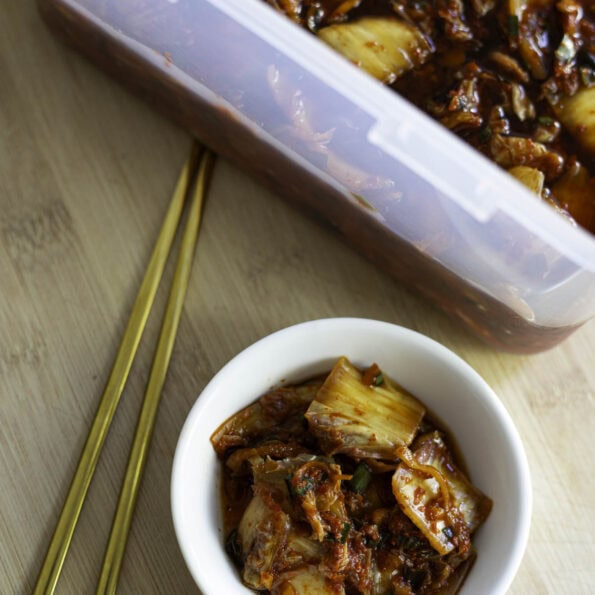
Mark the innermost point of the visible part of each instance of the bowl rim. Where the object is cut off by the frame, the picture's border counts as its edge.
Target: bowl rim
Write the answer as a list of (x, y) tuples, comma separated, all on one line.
[(438, 351)]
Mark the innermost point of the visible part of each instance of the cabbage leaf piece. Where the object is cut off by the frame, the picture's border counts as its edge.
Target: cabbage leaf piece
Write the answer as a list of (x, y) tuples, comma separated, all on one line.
[(275, 546), (265, 417), (384, 47), (529, 176), (266, 528), (262, 535), (437, 496), (348, 416), (317, 487), (273, 478), (307, 580), (577, 114), (575, 189), (239, 459)]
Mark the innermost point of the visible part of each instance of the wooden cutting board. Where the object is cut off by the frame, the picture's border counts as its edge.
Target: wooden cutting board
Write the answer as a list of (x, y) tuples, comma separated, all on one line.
[(86, 172)]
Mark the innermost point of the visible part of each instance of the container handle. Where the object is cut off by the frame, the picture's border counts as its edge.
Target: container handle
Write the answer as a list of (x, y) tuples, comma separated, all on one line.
[(457, 171)]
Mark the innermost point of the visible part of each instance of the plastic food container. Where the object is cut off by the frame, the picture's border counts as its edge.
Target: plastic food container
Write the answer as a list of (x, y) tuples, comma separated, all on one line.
[(402, 190)]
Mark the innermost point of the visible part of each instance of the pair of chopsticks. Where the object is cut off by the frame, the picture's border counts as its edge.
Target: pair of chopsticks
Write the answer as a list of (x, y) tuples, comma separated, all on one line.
[(197, 168)]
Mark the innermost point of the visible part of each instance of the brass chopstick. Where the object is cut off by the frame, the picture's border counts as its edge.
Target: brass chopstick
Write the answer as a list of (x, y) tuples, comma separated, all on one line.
[(63, 532), (114, 552)]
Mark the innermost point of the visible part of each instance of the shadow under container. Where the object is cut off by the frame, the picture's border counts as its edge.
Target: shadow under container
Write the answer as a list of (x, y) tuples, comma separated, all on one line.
[(405, 192)]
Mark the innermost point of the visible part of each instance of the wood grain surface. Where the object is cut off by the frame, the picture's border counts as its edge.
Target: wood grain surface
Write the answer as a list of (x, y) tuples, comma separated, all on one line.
[(86, 172)]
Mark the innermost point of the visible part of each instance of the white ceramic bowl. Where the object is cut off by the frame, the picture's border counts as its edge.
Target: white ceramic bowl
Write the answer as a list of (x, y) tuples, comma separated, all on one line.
[(483, 429)]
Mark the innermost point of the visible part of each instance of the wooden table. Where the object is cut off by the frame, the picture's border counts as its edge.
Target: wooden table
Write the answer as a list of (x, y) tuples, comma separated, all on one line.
[(86, 171)]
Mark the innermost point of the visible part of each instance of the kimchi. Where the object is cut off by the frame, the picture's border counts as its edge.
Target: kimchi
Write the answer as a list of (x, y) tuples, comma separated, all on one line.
[(515, 78), (345, 484)]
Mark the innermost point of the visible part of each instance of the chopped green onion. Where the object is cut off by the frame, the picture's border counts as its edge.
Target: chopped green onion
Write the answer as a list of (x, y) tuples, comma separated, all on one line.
[(485, 134), (303, 486), (448, 532), (290, 487), (566, 50), (232, 546), (588, 77), (513, 25), (545, 120), (458, 104), (380, 542), (409, 543), (378, 379), (345, 532), (361, 478)]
